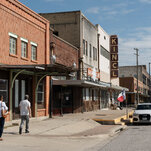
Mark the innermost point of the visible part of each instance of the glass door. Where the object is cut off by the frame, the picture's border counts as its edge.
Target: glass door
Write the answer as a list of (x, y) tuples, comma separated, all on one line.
[(23, 89), (16, 100), (16, 93)]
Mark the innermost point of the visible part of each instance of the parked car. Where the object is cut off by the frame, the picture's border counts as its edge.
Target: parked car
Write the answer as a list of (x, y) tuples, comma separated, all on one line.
[(142, 113)]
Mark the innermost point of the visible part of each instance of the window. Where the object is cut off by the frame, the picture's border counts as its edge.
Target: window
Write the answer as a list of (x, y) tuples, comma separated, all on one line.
[(105, 53), (12, 45), (87, 94), (144, 79), (104, 99), (135, 75), (143, 107), (90, 93), (33, 52), (4, 90), (95, 95), (83, 46), (86, 48), (40, 95), (94, 54), (90, 47), (84, 93), (24, 49)]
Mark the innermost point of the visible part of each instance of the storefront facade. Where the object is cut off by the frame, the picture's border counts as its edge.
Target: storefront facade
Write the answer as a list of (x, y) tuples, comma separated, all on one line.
[(95, 64), (20, 47)]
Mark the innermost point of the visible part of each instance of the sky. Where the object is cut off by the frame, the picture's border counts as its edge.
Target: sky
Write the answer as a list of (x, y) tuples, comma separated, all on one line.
[(130, 20)]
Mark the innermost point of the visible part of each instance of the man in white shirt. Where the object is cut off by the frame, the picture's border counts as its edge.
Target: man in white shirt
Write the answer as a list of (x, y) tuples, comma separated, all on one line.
[(2, 120), (25, 113)]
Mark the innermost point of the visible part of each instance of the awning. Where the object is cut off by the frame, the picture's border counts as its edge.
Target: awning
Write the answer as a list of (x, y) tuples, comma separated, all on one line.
[(131, 92), (116, 87), (144, 95), (40, 69), (81, 83)]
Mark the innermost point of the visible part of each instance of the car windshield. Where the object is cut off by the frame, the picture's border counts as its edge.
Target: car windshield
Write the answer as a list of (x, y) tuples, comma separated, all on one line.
[(143, 107)]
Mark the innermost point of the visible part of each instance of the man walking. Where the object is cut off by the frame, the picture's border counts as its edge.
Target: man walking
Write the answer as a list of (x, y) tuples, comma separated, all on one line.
[(25, 113)]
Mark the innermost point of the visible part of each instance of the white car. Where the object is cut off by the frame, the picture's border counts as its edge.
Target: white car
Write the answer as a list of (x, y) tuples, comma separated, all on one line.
[(142, 113)]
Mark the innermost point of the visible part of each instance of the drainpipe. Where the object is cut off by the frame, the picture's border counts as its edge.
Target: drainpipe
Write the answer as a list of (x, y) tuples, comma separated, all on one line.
[(98, 39)]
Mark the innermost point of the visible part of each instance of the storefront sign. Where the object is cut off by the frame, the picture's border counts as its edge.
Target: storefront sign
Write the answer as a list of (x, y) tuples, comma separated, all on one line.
[(114, 56), (93, 74)]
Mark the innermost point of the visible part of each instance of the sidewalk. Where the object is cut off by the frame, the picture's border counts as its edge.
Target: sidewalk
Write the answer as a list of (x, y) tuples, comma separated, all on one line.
[(70, 132), (83, 124)]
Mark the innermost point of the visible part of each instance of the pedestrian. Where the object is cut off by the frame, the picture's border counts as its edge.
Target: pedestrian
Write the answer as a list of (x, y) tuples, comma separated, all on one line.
[(2, 119), (25, 113)]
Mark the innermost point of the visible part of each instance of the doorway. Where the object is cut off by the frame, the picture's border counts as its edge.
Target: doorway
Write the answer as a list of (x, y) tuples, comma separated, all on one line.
[(22, 86)]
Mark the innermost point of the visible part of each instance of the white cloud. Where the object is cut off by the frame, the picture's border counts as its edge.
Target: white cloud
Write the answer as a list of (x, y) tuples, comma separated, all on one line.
[(139, 39), (146, 1), (128, 11), (93, 10), (116, 9), (112, 12)]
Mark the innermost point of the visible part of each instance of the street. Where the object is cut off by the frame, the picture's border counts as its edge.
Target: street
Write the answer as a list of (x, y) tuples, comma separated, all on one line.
[(27, 142), (76, 132), (135, 138)]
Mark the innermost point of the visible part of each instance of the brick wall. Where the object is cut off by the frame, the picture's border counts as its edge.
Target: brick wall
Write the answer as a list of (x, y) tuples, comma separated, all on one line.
[(65, 53), (21, 21)]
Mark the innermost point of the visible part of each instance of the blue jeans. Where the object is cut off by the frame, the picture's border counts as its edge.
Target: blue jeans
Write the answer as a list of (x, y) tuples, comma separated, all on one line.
[(24, 118), (2, 122)]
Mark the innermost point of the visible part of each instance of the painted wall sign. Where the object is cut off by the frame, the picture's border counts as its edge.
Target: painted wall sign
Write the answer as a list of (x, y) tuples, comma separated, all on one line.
[(93, 74), (114, 55)]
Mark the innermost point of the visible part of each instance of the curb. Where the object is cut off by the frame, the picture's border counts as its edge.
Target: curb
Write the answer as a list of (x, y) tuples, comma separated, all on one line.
[(117, 130), (115, 121)]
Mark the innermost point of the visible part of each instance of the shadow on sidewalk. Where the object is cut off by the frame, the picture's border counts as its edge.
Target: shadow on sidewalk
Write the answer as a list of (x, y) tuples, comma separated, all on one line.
[(11, 133)]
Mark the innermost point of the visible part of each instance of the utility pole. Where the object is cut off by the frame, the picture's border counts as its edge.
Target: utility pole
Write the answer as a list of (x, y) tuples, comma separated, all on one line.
[(137, 72)]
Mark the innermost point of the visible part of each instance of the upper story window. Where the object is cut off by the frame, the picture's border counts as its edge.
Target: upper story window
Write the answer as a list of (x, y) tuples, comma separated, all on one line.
[(86, 48), (90, 47), (83, 46), (33, 51), (105, 53), (24, 48), (144, 79), (94, 54), (13, 44)]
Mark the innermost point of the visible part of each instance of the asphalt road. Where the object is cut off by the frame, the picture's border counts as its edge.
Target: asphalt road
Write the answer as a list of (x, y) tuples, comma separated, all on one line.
[(135, 138)]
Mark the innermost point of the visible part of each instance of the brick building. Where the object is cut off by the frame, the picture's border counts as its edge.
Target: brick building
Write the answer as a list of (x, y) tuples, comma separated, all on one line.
[(128, 79), (24, 41), (94, 89), (64, 99), (26, 60)]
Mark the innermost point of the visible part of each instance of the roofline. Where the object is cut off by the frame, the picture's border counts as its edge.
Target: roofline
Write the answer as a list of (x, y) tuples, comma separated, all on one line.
[(133, 66), (63, 12), (32, 13), (77, 11), (98, 25), (65, 42), (89, 21)]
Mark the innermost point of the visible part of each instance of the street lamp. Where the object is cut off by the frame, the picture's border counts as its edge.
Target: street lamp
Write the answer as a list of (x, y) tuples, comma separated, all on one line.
[(137, 72)]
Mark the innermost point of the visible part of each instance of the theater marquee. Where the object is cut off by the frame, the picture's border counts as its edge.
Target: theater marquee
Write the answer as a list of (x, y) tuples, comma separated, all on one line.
[(114, 56)]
